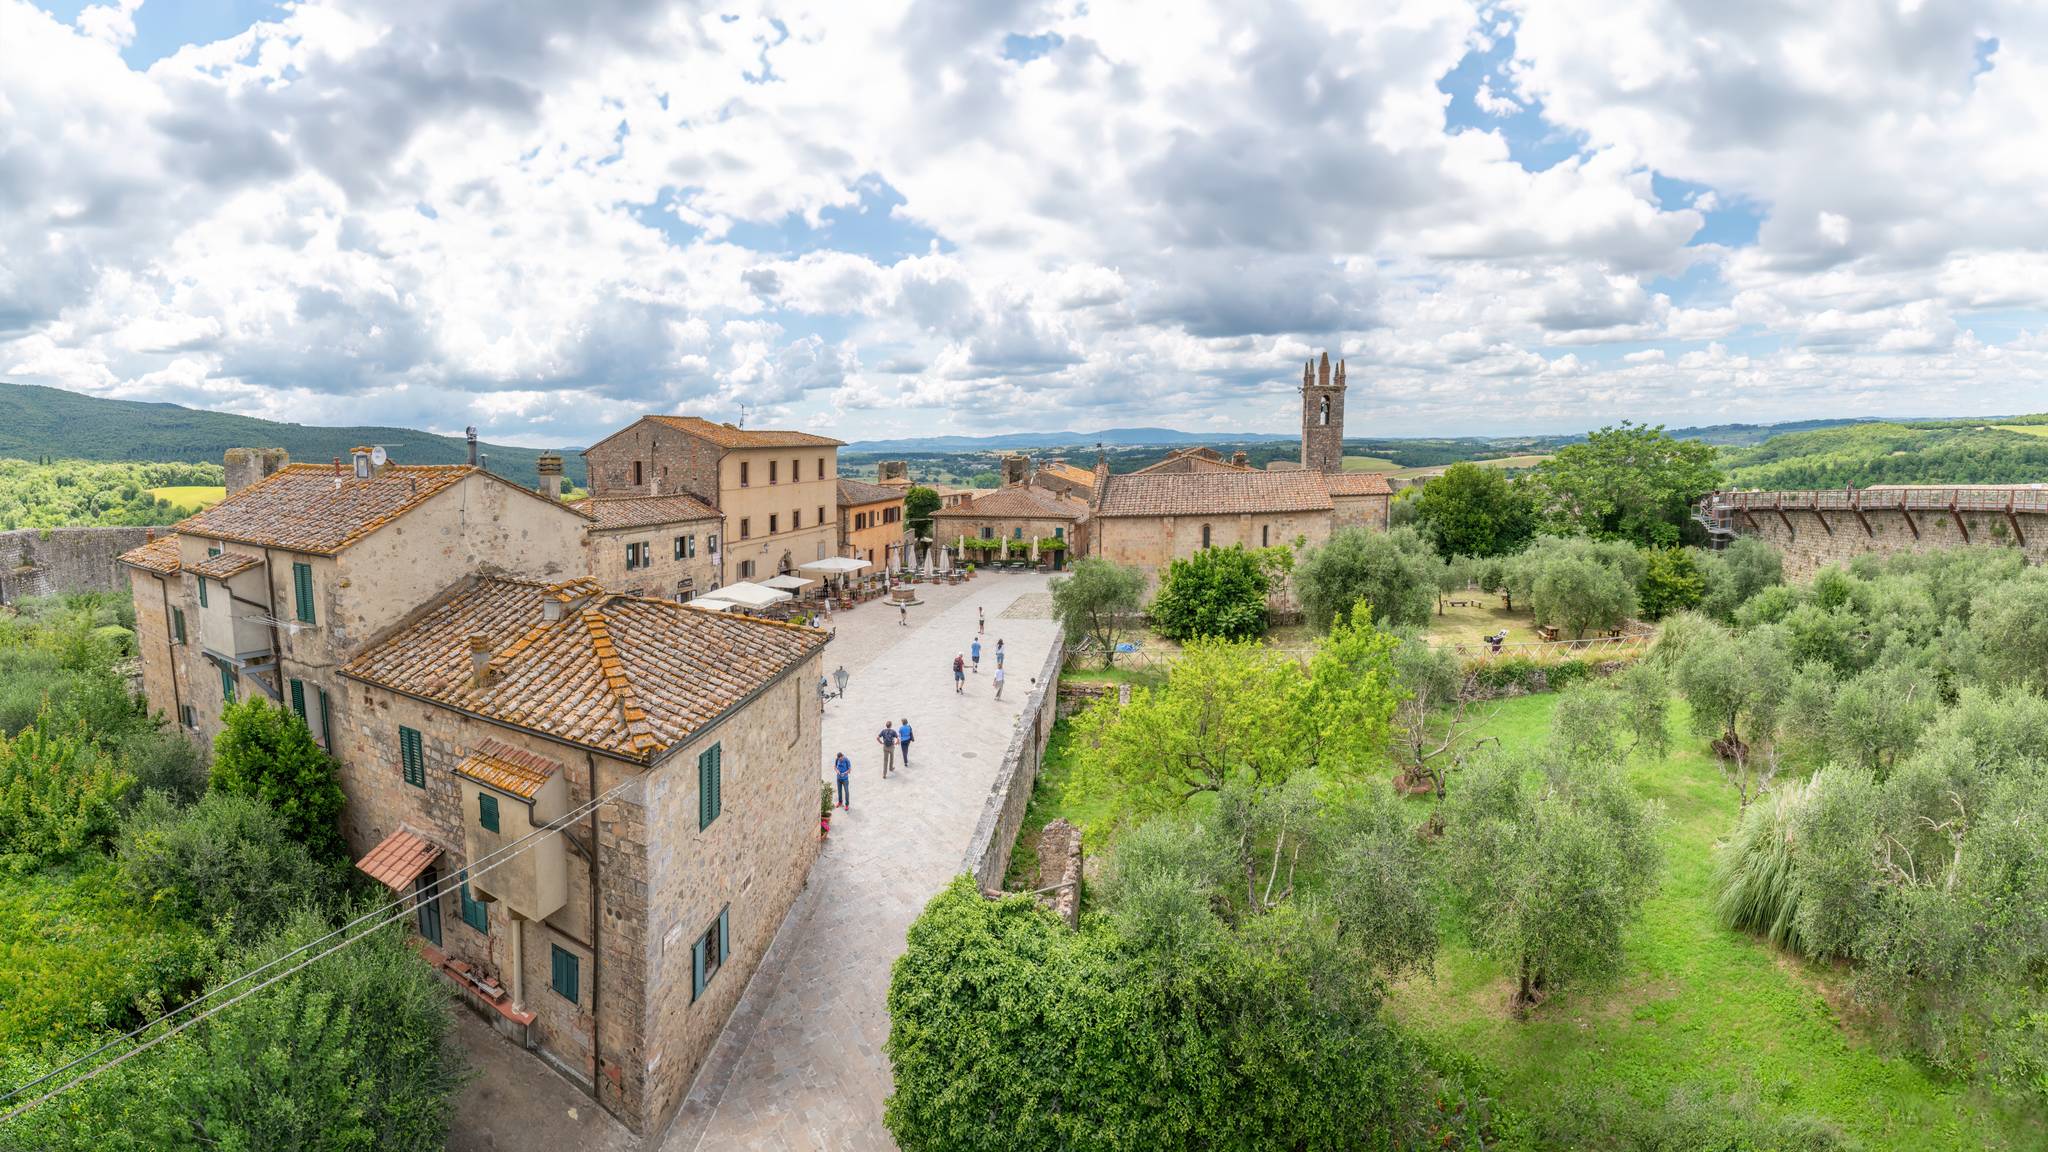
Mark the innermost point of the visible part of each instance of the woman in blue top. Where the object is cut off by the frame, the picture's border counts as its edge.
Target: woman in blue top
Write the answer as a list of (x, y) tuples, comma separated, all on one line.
[(844, 767)]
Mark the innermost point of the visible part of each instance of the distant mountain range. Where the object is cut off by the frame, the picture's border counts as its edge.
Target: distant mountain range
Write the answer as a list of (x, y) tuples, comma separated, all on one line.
[(38, 422), (1108, 437)]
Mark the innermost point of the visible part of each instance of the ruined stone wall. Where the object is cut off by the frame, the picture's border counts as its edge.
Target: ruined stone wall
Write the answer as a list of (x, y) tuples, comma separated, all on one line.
[(46, 561), (1002, 815), (1811, 539)]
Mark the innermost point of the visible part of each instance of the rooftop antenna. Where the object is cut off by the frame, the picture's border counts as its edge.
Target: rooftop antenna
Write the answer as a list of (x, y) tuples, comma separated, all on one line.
[(743, 414)]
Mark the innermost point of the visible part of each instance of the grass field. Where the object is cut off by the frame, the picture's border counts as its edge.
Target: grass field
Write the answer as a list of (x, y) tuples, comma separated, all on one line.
[(2024, 429), (190, 498), (1370, 464), (1697, 1006), (1529, 461)]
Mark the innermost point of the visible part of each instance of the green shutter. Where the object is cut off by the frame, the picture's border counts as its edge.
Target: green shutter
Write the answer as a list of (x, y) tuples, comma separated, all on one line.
[(724, 933), (202, 590), (326, 733), (227, 684), (475, 913), (299, 698), (302, 586), (487, 811), (412, 758), (709, 786), (213, 551), (696, 969), (567, 978), (178, 623)]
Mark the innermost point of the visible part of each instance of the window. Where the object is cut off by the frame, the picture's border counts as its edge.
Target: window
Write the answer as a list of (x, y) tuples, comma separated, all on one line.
[(1265, 535), (412, 757), (711, 542), (299, 699), (178, 624), (202, 591), (567, 978), (796, 519), (302, 591), (746, 569), (686, 547), (860, 521), (987, 532), (821, 467), (212, 551), (326, 732), (429, 906), (1205, 535), (771, 472), (487, 811), (743, 474), (227, 684), (638, 556), (709, 953), (636, 473), (1016, 533), (746, 527), (796, 471), (188, 717), (475, 912), (1323, 414), (1059, 532), (772, 526), (710, 786), (821, 514), (891, 515)]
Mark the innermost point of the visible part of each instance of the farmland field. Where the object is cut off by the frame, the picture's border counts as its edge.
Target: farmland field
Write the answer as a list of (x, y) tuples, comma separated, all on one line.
[(189, 498)]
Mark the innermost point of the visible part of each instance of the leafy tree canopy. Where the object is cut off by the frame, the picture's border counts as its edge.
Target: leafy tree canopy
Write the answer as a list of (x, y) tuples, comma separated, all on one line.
[(1394, 571), (1473, 510), (1217, 592), (1633, 482), (1098, 601), (265, 752), (918, 505)]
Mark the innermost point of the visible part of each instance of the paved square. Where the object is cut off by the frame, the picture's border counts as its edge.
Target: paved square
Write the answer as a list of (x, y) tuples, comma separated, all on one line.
[(800, 1065)]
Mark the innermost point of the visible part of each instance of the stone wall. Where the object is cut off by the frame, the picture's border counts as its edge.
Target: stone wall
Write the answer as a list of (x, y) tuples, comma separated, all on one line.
[(246, 466), (44, 561), (1002, 815), (1059, 870), (1811, 539)]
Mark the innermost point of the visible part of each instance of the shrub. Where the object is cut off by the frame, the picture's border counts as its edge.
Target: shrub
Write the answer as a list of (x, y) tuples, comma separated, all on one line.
[(227, 861), (1754, 873), (1217, 592), (162, 760), (265, 751), (59, 796), (1671, 581), (1392, 571)]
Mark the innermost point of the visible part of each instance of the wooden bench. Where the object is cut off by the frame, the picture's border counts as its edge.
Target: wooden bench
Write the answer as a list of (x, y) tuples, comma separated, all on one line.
[(1546, 633)]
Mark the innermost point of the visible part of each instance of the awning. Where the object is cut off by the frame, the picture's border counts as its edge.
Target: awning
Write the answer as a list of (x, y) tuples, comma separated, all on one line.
[(399, 860), (787, 583), (709, 604), (751, 595), (835, 566)]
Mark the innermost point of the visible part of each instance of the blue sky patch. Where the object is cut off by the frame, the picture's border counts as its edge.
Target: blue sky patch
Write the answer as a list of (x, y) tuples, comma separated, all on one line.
[(163, 28), (871, 229), (1022, 48)]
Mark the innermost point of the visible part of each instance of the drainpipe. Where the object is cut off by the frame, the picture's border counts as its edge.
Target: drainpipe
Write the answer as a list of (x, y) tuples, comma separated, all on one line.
[(515, 938)]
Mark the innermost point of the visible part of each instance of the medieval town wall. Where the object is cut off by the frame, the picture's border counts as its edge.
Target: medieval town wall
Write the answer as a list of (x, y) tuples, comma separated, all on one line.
[(46, 561)]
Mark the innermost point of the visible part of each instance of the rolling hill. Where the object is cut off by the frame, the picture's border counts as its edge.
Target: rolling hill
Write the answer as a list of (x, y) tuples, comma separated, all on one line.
[(38, 422), (1914, 452)]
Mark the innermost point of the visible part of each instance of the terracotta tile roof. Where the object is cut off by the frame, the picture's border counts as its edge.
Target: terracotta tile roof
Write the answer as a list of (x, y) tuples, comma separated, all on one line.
[(645, 511), (1023, 502), (1069, 473), (622, 675), (1192, 460), (300, 507), (399, 860), (1357, 484), (226, 564), (853, 492), (1213, 493), (727, 436), (513, 771), (159, 555)]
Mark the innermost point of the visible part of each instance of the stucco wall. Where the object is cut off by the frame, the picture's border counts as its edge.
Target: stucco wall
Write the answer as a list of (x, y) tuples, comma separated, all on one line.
[(46, 561), (875, 542), (758, 500), (752, 859)]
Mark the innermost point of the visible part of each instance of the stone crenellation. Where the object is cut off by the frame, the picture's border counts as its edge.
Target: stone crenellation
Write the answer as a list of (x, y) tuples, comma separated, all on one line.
[(1817, 529)]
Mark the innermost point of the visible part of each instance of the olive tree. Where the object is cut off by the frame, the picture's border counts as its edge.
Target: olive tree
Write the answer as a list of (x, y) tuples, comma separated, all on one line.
[(1098, 601)]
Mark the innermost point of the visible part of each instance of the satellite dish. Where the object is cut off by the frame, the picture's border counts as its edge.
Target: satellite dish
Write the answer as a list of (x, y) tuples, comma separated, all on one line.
[(378, 456)]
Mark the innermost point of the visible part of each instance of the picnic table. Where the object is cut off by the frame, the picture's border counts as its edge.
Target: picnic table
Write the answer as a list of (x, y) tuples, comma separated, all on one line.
[(1546, 632), (1466, 604)]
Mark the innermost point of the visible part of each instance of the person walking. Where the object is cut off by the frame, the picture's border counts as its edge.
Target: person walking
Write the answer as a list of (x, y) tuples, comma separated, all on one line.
[(999, 681), (887, 739), (903, 615), (903, 739), (959, 676), (844, 768), (980, 621), (999, 653), (975, 648)]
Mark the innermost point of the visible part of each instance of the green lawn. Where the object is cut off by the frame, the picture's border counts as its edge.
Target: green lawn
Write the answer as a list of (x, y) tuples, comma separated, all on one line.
[(2024, 429), (1697, 1005), (191, 497)]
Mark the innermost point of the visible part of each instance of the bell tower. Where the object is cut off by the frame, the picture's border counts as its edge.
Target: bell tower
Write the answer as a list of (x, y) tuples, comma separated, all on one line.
[(1322, 416)]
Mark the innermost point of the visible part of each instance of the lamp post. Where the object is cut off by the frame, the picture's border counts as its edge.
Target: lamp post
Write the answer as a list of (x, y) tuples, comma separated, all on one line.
[(839, 678)]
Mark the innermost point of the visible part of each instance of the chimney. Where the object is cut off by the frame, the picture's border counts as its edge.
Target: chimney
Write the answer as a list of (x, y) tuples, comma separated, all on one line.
[(1016, 470), (479, 659), (246, 466), (559, 600), (149, 535), (469, 435), (549, 468), (1241, 459)]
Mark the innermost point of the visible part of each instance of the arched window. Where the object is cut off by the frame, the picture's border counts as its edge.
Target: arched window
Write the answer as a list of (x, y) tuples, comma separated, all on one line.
[(1205, 535), (1323, 413)]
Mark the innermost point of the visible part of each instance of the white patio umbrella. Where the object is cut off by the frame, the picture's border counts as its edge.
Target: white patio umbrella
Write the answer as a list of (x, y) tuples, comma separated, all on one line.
[(787, 583), (834, 566), (708, 604), (1034, 549), (751, 595)]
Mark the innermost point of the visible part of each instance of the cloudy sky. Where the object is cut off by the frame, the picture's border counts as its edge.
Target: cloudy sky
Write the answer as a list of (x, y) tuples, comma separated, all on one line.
[(914, 218)]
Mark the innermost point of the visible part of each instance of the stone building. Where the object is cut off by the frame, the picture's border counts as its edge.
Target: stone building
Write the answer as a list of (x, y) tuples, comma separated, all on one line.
[(677, 750), (1195, 499), (661, 546), (871, 523), (1020, 513), (273, 587), (776, 490), (1063, 479), (896, 474)]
